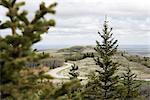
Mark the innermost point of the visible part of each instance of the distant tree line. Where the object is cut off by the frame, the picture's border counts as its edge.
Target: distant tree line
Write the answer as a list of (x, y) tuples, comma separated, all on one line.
[(51, 63)]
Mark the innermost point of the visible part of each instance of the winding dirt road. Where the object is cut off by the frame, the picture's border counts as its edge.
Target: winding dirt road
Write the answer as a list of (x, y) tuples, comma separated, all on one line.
[(55, 72)]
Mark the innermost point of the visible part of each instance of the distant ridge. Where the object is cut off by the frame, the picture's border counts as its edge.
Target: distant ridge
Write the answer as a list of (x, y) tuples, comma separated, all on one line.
[(142, 50)]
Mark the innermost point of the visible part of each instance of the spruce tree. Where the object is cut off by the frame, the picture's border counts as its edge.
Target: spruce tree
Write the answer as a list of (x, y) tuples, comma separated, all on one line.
[(15, 49), (130, 85), (107, 81)]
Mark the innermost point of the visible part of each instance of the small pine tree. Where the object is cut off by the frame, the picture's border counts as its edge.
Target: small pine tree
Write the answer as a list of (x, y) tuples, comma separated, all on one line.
[(107, 80), (130, 85), (74, 71)]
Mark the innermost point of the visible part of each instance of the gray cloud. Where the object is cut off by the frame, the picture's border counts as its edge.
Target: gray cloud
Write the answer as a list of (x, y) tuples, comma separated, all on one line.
[(79, 20)]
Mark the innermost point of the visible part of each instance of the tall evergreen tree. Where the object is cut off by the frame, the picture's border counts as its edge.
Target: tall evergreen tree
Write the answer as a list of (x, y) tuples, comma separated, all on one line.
[(15, 48), (106, 81), (130, 85)]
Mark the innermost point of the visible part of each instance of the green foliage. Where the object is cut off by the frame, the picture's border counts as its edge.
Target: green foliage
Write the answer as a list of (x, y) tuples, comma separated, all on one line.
[(69, 91), (144, 89), (107, 81), (74, 57), (74, 71), (78, 56), (52, 62), (91, 55), (72, 49), (28, 86), (43, 55), (135, 58), (15, 49), (43, 76), (92, 89), (131, 87)]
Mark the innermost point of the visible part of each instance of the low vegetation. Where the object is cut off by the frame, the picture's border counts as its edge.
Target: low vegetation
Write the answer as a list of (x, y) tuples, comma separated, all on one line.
[(131, 87), (144, 89), (135, 58), (74, 57), (52, 62), (72, 49)]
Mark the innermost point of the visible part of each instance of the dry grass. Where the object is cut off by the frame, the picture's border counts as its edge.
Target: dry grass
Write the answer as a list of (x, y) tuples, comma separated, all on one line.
[(34, 71)]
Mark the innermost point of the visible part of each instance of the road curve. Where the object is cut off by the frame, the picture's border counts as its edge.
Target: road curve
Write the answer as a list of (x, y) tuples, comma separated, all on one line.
[(55, 72)]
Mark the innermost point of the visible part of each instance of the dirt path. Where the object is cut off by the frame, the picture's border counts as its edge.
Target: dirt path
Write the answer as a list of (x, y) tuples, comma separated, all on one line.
[(55, 73)]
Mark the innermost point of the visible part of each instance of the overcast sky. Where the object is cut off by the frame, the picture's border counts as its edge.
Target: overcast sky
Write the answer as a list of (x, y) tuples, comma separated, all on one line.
[(78, 21)]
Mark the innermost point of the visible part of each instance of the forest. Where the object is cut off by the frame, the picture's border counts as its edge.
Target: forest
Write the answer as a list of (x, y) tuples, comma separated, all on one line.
[(99, 72)]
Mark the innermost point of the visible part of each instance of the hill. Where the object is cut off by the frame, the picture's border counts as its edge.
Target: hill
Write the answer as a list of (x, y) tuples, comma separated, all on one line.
[(80, 55)]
